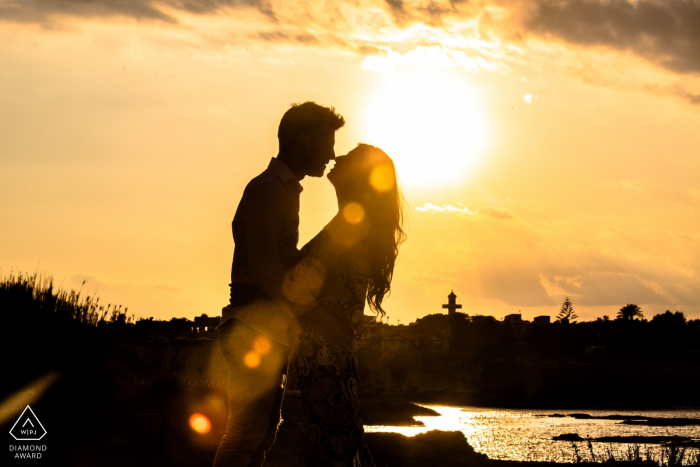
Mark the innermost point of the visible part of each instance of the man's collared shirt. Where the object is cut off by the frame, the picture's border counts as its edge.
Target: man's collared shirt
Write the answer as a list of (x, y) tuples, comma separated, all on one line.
[(266, 235)]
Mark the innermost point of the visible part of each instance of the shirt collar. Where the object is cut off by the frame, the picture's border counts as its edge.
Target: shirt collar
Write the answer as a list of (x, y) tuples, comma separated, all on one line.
[(284, 172)]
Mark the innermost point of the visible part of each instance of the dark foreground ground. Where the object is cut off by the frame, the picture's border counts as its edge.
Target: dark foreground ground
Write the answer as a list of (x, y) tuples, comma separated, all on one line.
[(104, 404), (158, 434)]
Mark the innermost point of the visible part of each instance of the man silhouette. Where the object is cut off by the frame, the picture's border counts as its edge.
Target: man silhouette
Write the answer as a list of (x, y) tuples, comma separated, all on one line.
[(254, 327)]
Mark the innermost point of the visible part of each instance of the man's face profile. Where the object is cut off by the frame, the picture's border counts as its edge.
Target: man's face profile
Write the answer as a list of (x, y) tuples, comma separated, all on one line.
[(321, 151)]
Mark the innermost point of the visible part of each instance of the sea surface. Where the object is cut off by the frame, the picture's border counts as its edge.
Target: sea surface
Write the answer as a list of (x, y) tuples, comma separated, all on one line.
[(526, 435)]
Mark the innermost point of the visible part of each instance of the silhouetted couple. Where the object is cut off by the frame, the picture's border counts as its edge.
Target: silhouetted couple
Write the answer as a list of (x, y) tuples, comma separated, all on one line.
[(307, 302)]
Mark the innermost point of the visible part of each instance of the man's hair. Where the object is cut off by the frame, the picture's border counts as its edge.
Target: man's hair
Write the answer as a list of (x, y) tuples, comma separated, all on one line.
[(309, 119)]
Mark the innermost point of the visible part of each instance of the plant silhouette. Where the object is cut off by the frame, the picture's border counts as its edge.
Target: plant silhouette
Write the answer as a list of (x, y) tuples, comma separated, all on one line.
[(566, 312), (630, 312)]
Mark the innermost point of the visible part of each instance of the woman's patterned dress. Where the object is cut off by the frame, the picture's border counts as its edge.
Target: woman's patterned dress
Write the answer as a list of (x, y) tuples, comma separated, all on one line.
[(328, 371)]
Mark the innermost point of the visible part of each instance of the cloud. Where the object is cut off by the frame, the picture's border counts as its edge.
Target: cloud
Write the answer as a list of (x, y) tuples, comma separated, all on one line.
[(605, 288), (430, 57), (562, 285), (429, 207), (281, 36), (537, 264), (687, 96), (666, 33), (496, 213), (689, 196), (434, 13), (398, 11), (487, 211), (515, 285), (45, 11), (536, 274)]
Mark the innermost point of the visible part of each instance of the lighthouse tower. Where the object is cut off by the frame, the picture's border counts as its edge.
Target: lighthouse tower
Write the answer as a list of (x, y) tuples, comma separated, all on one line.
[(451, 304), (452, 307)]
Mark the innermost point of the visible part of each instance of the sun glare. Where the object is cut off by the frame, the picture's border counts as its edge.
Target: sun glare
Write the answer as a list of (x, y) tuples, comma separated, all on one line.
[(200, 423), (252, 359), (382, 178), (431, 124), (262, 345), (353, 213)]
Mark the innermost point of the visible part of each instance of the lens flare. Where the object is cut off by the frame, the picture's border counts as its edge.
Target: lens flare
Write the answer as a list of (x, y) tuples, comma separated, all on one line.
[(298, 289), (382, 178), (252, 359), (262, 345), (15, 403), (353, 213), (200, 423)]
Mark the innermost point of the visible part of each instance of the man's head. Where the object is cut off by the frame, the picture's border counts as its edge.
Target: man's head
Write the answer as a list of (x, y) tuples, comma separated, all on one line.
[(307, 136)]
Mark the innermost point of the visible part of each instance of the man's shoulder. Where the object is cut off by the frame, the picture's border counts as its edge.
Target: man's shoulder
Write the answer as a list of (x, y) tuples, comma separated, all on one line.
[(266, 181), (263, 191)]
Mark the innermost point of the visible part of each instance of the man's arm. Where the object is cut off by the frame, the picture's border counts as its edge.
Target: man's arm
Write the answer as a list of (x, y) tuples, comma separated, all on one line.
[(263, 222)]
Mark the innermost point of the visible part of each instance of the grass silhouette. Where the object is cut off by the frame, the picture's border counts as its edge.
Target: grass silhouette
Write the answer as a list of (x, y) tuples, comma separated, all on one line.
[(33, 298), (671, 455)]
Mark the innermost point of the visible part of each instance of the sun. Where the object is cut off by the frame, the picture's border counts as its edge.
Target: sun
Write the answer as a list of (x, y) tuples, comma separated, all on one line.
[(432, 125)]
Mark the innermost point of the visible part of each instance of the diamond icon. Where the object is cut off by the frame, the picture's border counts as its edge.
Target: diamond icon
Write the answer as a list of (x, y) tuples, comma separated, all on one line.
[(28, 427)]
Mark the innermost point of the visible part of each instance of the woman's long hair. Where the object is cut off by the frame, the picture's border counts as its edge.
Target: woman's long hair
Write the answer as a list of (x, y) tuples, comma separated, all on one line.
[(385, 207)]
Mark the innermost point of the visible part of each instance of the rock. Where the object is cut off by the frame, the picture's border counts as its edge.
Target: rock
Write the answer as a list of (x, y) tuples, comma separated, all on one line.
[(393, 412), (434, 448), (568, 437)]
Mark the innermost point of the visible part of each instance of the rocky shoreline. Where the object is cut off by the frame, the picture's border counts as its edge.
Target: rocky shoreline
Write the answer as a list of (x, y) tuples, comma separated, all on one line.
[(431, 449)]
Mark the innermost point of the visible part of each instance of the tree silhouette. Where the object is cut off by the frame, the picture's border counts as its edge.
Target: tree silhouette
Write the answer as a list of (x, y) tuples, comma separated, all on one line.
[(630, 312), (567, 311), (669, 319)]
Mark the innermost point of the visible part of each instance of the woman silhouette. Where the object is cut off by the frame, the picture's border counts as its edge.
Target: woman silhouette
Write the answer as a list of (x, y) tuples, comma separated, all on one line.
[(350, 261)]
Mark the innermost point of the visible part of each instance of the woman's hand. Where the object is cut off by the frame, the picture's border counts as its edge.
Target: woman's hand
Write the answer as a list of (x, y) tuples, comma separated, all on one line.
[(336, 331)]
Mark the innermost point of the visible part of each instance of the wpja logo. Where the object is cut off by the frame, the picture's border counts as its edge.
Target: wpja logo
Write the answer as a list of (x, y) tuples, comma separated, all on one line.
[(28, 428)]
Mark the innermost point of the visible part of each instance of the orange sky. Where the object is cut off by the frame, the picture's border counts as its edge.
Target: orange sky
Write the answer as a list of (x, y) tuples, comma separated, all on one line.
[(546, 148)]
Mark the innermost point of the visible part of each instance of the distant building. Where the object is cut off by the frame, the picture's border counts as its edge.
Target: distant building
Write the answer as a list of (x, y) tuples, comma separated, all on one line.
[(514, 319), (387, 340), (541, 320), (517, 322), (205, 323), (169, 329), (399, 341), (178, 330)]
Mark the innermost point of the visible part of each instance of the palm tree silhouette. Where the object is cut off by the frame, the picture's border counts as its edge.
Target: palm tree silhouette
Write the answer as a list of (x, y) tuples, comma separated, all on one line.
[(630, 312)]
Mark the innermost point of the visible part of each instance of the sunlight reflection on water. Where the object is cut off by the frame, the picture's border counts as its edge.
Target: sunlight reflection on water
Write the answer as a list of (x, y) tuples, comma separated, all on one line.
[(526, 435)]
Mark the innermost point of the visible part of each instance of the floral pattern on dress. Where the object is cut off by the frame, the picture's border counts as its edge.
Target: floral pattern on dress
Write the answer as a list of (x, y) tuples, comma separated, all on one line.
[(328, 372)]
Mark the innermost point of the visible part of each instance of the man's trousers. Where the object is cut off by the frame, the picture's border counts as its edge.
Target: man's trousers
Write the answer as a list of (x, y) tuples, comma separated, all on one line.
[(257, 368)]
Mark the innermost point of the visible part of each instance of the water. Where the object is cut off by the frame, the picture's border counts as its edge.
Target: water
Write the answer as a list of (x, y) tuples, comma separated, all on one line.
[(526, 435)]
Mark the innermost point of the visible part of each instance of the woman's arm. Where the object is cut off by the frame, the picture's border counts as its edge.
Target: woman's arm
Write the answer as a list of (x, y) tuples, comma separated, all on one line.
[(321, 252)]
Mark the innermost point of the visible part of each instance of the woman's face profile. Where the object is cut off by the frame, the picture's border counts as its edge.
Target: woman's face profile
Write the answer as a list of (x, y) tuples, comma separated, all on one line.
[(350, 172)]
